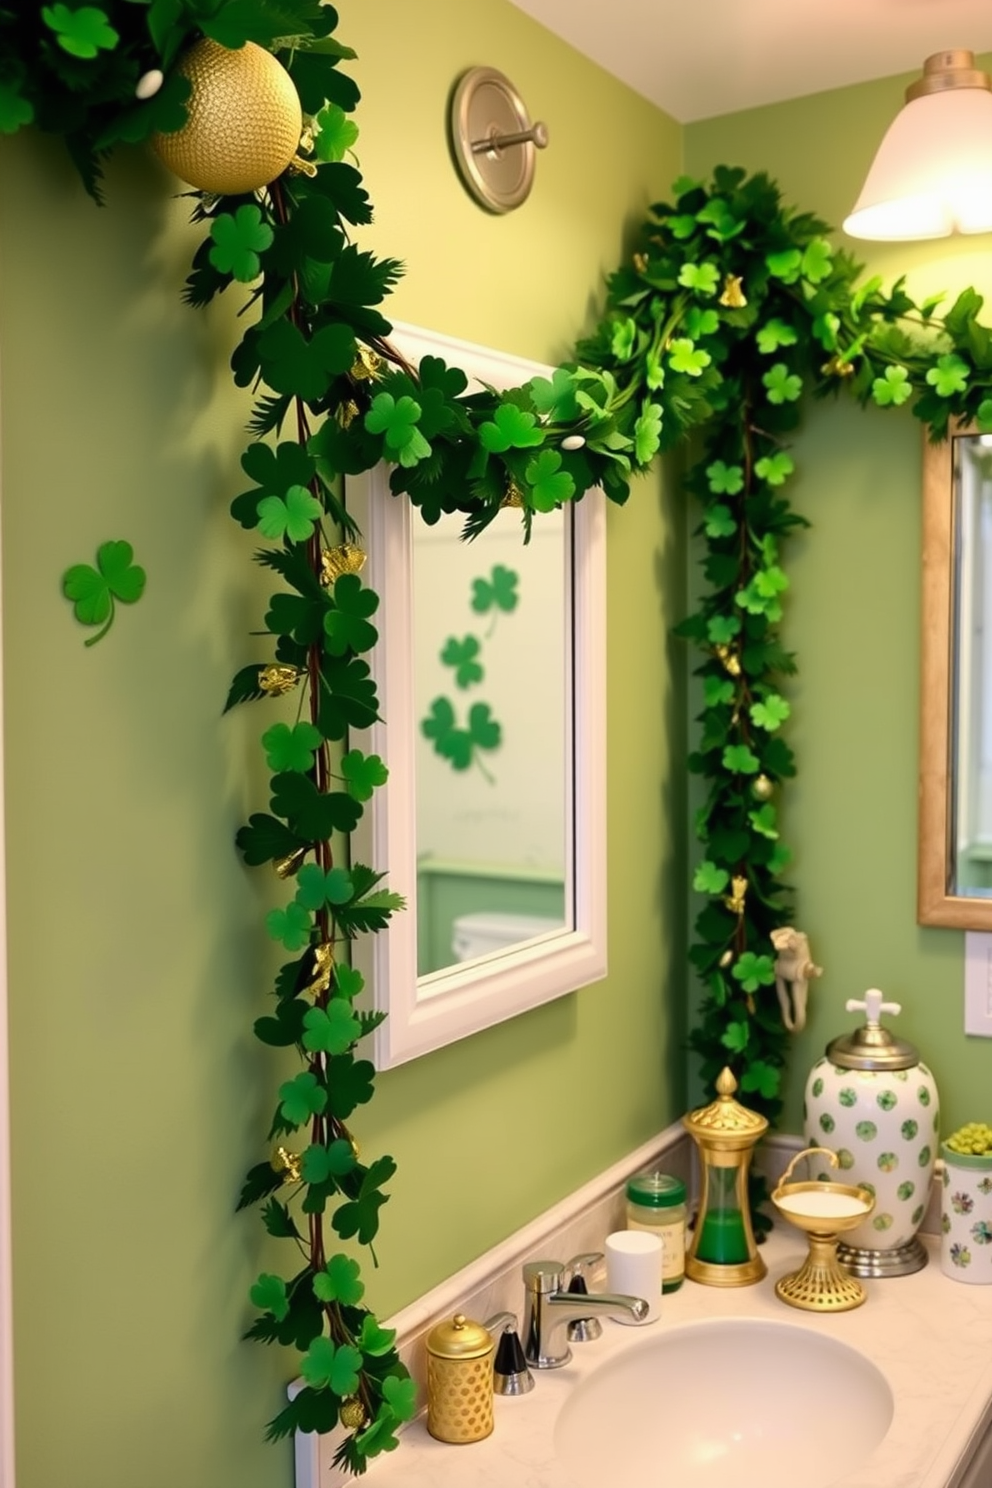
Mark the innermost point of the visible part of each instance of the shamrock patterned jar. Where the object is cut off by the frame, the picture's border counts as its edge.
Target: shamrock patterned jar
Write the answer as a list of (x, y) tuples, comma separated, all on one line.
[(966, 1217), (873, 1102)]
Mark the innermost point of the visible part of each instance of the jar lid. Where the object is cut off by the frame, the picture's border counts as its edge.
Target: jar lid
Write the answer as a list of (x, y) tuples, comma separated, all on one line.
[(656, 1190), (872, 1047), (459, 1339)]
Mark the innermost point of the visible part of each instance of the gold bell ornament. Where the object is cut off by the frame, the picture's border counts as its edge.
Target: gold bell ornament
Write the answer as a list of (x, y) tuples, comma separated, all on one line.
[(244, 120), (723, 1250)]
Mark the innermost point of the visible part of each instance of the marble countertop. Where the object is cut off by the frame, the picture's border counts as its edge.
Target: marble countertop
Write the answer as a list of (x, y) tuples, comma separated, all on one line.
[(930, 1336)]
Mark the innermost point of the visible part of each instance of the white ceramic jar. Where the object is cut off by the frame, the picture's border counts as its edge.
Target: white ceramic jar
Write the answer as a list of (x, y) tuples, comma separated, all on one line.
[(875, 1104)]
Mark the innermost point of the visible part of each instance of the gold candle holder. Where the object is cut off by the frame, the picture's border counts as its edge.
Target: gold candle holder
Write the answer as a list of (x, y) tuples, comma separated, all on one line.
[(823, 1211)]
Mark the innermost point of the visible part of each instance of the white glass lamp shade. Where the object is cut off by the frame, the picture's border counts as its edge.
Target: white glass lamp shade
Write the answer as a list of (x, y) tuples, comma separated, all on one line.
[(932, 174)]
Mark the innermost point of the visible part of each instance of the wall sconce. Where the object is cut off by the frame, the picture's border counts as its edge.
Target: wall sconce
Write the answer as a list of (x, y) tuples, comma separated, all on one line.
[(932, 173), (493, 140)]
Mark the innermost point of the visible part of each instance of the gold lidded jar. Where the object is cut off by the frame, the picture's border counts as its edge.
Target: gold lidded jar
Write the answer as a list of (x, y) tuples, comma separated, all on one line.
[(460, 1357)]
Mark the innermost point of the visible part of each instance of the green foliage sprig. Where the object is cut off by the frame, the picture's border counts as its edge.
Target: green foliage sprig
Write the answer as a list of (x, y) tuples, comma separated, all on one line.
[(733, 312)]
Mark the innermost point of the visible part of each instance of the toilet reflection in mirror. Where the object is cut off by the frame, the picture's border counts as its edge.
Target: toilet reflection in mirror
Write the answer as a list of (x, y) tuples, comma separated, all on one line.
[(490, 669)]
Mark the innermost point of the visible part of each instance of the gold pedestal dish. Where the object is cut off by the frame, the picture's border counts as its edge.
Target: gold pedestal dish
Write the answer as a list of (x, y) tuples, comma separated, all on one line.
[(823, 1211)]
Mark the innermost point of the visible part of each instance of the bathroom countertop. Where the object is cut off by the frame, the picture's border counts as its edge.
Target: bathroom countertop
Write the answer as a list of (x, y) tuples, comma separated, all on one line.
[(930, 1336)]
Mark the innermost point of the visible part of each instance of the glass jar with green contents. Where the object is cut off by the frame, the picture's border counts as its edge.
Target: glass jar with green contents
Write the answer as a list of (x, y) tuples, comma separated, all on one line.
[(656, 1202)]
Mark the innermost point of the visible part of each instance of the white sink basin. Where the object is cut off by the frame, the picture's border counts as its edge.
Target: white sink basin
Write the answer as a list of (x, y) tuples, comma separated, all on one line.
[(755, 1404)]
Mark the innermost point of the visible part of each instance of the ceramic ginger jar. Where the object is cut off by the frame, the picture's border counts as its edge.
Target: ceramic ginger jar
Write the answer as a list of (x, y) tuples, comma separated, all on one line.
[(872, 1101)]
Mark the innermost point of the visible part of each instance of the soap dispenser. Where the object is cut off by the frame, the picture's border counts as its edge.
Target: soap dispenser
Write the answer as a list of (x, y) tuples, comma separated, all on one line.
[(873, 1102)]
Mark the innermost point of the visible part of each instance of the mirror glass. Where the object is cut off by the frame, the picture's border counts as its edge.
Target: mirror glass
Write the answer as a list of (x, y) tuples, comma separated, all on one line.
[(490, 668), (955, 857), (492, 776)]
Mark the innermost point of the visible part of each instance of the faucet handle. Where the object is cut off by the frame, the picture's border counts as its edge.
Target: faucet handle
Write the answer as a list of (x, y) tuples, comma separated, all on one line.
[(582, 1330), (510, 1373), (576, 1268)]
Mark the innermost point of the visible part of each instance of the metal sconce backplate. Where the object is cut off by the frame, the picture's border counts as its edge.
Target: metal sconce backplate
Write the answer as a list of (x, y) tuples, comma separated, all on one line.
[(493, 140)]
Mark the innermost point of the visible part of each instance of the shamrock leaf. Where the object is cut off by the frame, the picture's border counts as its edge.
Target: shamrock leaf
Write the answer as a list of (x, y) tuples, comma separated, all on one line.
[(780, 858), (948, 376), (290, 748), (983, 417), (483, 729), (624, 339), (462, 656), (709, 879), (397, 422), (317, 888), (361, 1216), (718, 690), (362, 774), (291, 364), (893, 388), (700, 322), (739, 760), (302, 1097), (703, 278), (753, 971), (83, 32), (549, 484), (685, 356), (722, 628), (375, 1340), (238, 239), (785, 265), (401, 1395), (293, 516), (719, 522), (350, 1082), (318, 1164), (348, 980), (93, 590), (762, 1078), (724, 480), (336, 133), (339, 1282), (764, 821), (269, 1294), (511, 428), (682, 226), (555, 398), (817, 261), (774, 334), (325, 1367), (346, 625), (647, 434), (736, 1034), (331, 1030), (290, 925), (770, 713), (783, 386), (654, 371), (499, 591), (775, 469), (15, 109)]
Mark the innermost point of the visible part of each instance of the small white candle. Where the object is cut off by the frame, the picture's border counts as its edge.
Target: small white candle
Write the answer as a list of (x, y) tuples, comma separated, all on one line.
[(822, 1205)]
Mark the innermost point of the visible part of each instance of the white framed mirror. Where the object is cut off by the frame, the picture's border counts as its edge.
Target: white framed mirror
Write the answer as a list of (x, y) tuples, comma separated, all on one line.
[(490, 667)]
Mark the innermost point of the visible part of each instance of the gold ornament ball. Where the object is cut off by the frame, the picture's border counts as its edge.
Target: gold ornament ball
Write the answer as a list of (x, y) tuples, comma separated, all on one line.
[(244, 120), (762, 789)]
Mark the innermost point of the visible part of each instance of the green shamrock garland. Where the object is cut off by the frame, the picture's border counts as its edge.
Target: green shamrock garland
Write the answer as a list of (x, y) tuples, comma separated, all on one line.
[(732, 314)]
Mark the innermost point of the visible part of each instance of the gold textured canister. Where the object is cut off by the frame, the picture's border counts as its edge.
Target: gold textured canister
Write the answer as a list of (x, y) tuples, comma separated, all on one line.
[(244, 120), (723, 1250), (460, 1380)]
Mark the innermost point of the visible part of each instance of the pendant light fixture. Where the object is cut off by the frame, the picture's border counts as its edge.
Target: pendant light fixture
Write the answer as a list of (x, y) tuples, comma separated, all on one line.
[(932, 173)]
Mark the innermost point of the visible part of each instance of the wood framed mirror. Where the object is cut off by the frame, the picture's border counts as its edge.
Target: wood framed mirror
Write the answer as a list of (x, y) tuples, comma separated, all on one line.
[(955, 783)]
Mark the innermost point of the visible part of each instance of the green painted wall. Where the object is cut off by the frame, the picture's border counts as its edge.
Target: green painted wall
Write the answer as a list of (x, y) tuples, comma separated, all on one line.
[(138, 1093), (854, 619)]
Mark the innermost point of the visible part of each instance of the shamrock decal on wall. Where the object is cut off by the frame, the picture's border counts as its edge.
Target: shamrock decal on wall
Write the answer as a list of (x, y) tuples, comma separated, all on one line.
[(94, 590)]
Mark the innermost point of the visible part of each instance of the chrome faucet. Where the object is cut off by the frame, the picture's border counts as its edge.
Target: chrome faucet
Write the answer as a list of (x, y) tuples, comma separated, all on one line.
[(548, 1308)]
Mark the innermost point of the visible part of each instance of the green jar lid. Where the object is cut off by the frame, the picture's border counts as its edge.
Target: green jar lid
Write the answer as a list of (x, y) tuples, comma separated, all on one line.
[(656, 1190)]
